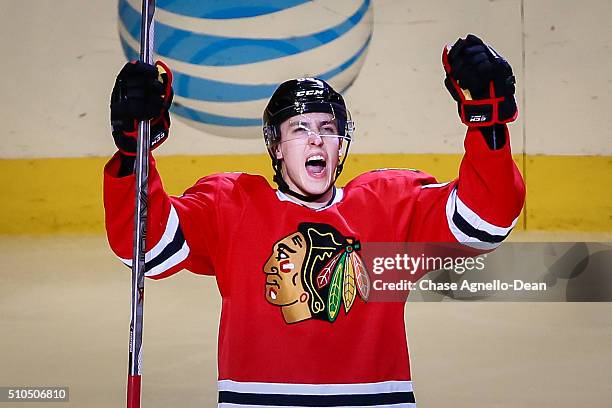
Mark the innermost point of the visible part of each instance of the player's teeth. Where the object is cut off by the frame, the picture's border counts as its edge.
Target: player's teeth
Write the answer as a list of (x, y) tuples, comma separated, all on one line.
[(313, 158)]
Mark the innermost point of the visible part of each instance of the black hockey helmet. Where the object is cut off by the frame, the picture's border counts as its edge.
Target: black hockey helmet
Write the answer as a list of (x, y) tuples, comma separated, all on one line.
[(298, 96), (304, 95)]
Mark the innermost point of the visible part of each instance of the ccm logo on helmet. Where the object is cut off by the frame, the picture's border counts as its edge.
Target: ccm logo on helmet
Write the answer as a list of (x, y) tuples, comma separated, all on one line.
[(309, 93)]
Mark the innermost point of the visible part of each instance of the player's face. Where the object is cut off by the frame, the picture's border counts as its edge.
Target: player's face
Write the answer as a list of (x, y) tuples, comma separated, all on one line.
[(309, 149), (283, 269)]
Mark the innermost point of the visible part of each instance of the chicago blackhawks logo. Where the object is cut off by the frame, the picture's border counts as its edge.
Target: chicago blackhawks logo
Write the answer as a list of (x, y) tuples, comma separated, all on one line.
[(313, 272)]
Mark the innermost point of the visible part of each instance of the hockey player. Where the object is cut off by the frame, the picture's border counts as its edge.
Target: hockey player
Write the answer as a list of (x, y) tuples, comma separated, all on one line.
[(295, 327)]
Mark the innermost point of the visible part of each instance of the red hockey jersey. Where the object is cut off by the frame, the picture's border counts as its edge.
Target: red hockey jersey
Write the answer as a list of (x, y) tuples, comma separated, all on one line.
[(283, 339)]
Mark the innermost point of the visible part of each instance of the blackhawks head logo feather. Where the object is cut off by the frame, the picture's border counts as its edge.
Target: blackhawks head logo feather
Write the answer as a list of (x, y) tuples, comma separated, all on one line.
[(314, 272)]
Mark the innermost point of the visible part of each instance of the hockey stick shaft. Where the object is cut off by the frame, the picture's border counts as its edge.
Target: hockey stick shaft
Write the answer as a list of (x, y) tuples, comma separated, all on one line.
[(140, 222)]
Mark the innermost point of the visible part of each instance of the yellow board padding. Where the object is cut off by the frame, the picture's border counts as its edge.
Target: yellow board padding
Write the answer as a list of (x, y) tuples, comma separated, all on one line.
[(569, 193), (48, 196)]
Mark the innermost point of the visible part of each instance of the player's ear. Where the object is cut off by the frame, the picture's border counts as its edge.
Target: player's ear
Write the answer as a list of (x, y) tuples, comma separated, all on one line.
[(277, 152)]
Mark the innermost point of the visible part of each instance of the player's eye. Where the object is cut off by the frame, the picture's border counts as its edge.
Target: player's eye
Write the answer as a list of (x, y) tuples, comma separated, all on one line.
[(301, 130), (328, 130)]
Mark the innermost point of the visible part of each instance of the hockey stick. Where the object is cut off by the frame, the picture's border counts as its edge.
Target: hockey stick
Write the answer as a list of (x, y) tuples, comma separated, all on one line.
[(140, 222)]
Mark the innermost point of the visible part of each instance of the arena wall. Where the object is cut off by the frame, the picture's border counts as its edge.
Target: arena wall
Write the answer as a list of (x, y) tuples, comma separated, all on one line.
[(60, 60)]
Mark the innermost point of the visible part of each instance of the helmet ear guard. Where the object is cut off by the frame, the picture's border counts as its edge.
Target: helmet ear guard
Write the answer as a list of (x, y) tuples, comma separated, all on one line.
[(272, 140), (270, 135)]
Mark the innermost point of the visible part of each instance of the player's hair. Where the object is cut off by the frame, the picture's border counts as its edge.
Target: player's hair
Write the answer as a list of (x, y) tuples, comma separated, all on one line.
[(323, 242)]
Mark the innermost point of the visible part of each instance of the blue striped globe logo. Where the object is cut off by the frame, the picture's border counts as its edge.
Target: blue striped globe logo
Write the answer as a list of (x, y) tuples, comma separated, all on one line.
[(229, 56)]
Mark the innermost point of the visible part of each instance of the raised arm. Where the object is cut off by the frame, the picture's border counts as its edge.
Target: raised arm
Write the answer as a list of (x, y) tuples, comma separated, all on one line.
[(144, 91), (482, 206)]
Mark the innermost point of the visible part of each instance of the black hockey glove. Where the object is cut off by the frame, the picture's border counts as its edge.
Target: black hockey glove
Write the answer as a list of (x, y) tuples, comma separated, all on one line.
[(481, 81), (142, 91)]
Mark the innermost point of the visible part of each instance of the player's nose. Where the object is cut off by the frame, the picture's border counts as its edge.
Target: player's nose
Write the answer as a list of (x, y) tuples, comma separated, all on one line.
[(314, 138)]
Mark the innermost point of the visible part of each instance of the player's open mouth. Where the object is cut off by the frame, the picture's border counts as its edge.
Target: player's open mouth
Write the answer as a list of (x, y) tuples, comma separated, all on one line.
[(316, 165)]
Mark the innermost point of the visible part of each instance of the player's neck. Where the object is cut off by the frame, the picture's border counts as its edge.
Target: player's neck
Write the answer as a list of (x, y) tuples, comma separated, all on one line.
[(319, 202), (323, 200)]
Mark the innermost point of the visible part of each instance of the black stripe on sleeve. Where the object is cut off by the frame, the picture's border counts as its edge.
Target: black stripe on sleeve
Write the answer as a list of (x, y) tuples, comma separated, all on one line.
[(299, 400), (480, 235), (170, 249)]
